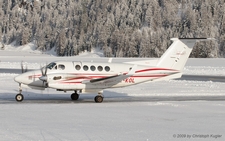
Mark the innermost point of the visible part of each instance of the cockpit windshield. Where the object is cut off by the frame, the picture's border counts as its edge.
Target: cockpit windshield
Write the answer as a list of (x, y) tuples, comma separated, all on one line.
[(55, 66), (51, 65)]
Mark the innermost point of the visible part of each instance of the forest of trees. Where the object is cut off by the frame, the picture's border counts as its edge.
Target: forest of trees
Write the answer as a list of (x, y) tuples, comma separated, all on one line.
[(121, 28)]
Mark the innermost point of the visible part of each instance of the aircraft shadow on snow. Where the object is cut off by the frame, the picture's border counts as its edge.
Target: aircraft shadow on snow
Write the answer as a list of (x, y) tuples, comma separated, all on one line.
[(113, 97)]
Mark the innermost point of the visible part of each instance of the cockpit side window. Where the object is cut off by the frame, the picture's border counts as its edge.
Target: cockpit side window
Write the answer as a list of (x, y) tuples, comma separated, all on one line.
[(61, 67)]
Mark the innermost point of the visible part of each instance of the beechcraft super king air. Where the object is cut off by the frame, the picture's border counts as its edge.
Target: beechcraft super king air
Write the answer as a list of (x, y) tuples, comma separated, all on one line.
[(86, 77)]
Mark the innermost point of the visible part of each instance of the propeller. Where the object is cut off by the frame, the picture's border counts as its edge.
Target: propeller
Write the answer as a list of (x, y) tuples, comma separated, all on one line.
[(44, 77)]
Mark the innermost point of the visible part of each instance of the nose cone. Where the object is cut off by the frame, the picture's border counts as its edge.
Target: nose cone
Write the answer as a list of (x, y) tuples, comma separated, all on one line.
[(18, 79), (24, 78), (29, 78)]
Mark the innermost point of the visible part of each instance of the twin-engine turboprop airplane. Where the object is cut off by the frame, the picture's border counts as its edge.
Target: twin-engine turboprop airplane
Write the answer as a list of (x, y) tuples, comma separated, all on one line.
[(84, 77)]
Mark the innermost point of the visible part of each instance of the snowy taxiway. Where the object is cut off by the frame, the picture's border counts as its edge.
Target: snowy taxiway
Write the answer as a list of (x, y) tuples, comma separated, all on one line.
[(173, 110)]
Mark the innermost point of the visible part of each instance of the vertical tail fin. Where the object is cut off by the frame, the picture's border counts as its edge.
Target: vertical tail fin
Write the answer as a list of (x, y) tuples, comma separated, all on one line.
[(177, 54)]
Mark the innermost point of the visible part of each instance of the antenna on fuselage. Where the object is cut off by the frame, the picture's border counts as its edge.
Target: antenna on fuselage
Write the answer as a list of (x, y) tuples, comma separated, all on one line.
[(110, 60)]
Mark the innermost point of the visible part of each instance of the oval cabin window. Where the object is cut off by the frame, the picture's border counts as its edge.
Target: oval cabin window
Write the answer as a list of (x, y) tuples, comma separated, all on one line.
[(100, 68), (77, 67), (107, 68), (85, 67), (93, 68)]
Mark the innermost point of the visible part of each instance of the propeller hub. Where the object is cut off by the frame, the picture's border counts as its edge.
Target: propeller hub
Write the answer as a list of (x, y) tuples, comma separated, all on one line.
[(43, 78)]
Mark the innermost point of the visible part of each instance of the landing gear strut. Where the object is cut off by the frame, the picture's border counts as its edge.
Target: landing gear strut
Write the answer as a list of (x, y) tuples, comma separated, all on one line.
[(19, 96), (74, 96), (99, 98)]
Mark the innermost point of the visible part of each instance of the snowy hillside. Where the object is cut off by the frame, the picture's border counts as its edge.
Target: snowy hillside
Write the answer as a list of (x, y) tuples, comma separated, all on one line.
[(30, 50)]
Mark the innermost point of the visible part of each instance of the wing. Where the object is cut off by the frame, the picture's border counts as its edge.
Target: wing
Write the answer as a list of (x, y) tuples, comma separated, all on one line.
[(214, 78), (112, 79)]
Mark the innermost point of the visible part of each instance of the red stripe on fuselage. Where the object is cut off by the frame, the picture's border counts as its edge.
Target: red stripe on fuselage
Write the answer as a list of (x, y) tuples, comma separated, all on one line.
[(143, 76), (35, 76), (154, 69), (71, 82), (158, 75)]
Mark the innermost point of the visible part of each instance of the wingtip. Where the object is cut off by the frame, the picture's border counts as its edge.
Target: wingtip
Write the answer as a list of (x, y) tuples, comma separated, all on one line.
[(211, 39)]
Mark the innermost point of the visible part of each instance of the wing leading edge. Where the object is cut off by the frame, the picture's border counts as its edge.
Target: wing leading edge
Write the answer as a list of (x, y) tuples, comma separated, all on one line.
[(113, 79)]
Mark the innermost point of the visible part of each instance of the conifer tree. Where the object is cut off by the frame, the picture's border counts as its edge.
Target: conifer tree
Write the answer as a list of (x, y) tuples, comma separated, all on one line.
[(116, 26)]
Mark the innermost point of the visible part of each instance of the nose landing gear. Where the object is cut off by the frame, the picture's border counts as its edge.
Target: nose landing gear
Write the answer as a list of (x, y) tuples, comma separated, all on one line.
[(19, 96)]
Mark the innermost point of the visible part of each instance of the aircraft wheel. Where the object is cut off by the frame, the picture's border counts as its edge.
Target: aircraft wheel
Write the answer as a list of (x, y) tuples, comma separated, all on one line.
[(98, 99), (19, 97), (74, 96)]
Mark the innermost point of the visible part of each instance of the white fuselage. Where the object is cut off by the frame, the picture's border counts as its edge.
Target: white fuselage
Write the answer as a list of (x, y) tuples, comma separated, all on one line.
[(68, 75)]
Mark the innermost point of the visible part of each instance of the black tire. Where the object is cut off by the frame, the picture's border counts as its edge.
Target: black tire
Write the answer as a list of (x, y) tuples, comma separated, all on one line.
[(98, 99), (74, 96), (19, 97)]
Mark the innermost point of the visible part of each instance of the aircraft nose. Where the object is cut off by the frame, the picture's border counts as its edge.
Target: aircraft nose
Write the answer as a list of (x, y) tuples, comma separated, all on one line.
[(18, 79)]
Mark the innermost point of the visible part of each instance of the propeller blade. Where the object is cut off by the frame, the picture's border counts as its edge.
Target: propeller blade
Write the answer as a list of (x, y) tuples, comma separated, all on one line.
[(26, 69), (21, 65), (42, 72), (45, 71), (44, 77), (23, 70), (33, 77)]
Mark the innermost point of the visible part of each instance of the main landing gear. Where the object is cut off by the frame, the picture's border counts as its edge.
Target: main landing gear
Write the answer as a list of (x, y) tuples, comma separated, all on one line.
[(74, 96), (99, 98), (19, 96)]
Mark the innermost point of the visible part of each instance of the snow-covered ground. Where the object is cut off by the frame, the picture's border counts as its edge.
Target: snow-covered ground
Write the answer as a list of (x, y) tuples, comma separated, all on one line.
[(172, 110)]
